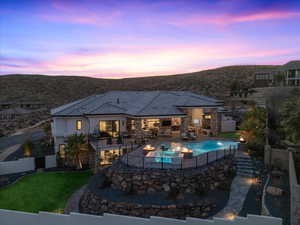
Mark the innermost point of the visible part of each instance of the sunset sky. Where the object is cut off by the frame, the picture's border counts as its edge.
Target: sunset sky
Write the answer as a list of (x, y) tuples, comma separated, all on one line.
[(130, 38)]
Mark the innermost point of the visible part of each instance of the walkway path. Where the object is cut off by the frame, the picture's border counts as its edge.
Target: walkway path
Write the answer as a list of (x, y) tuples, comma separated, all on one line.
[(8, 151), (239, 189), (73, 202)]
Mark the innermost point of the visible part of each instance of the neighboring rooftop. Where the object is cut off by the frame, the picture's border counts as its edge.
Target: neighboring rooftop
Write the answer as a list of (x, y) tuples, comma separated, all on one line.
[(136, 103), (292, 65)]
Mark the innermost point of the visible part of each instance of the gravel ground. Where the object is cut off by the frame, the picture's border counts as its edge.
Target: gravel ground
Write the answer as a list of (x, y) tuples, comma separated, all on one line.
[(280, 206)]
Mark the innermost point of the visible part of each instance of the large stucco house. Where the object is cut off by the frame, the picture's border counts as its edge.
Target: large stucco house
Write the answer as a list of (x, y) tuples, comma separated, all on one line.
[(290, 71), (164, 113)]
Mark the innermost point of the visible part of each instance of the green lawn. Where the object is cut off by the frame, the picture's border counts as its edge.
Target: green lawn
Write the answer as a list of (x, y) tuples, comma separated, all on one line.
[(231, 135), (43, 191)]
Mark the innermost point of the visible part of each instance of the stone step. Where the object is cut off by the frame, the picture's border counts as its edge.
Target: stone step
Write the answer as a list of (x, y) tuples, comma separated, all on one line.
[(243, 160), (245, 167), (245, 170), (244, 174), (243, 163)]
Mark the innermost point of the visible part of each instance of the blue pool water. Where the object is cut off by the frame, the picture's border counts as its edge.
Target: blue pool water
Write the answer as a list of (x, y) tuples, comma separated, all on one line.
[(173, 149)]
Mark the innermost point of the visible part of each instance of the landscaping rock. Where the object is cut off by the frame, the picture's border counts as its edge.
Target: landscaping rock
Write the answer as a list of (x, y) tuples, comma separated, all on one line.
[(151, 180), (275, 191), (93, 204)]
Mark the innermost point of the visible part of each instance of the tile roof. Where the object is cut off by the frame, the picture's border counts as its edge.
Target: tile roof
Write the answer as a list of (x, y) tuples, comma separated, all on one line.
[(136, 103), (291, 65)]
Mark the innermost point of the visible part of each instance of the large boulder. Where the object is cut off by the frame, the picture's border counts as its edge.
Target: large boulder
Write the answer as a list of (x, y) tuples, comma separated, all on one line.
[(275, 191)]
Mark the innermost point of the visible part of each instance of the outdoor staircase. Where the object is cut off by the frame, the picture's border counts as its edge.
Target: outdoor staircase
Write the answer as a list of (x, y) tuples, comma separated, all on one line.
[(244, 166)]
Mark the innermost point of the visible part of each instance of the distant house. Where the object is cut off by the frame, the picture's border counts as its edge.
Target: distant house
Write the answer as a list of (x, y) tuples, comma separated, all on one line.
[(139, 113), (290, 72), (10, 111), (264, 77)]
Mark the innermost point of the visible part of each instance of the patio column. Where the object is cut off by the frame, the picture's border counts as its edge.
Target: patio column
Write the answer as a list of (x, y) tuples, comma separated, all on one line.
[(184, 124), (138, 123), (215, 122)]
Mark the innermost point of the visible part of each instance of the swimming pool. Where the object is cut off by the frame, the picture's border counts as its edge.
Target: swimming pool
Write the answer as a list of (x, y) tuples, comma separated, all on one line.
[(175, 149)]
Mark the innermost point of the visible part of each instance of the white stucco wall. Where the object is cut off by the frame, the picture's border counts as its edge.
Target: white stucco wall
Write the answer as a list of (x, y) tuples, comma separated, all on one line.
[(50, 161), (17, 166), (94, 122), (9, 217), (66, 126), (227, 124), (63, 127)]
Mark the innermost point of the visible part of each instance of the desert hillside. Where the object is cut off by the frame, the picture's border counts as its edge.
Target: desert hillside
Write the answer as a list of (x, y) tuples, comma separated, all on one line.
[(57, 90)]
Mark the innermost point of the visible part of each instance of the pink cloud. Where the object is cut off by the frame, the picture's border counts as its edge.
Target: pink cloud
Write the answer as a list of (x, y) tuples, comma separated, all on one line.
[(79, 14), (136, 61), (227, 19)]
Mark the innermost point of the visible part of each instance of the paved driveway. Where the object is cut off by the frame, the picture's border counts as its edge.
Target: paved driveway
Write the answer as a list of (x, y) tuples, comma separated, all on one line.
[(7, 143)]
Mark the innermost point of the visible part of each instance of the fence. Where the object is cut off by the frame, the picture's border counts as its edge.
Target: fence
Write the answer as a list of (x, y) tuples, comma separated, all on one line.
[(277, 157), (295, 192), (8, 217), (17, 166), (138, 159), (25, 164)]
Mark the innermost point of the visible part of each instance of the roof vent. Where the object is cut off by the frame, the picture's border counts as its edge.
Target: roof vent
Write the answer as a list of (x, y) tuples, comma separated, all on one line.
[(118, 101)]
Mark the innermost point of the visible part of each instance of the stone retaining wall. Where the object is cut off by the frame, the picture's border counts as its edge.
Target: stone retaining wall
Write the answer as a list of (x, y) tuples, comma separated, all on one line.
[(141, 181), (94, 204), (295, 192)]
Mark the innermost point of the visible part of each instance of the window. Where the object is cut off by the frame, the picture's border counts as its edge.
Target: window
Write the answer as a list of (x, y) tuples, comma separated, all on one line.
[(78, 124), (111, 127)]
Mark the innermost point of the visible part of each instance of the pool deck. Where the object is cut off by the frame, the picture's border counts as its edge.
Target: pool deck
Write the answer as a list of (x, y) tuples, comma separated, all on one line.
[(158, 140)]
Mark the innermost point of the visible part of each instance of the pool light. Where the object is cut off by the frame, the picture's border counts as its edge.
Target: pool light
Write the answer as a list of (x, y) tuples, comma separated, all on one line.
[(242, 139), (230, 216), (184, 149), (149, 148), (220, 143)]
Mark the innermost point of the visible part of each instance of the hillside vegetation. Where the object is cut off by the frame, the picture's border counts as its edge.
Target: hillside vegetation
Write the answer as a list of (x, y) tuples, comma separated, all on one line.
[(57, 90)]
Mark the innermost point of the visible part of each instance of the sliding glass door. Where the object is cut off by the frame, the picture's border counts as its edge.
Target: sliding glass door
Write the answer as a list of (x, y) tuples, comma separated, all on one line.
[(112, 127)]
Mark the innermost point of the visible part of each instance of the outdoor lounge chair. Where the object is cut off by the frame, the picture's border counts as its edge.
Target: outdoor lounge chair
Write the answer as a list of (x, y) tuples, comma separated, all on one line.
[(184, 136), (192, 136)]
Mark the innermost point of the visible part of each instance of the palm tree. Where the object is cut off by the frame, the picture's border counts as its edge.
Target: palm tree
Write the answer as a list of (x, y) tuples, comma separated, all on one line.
[(75, 145)]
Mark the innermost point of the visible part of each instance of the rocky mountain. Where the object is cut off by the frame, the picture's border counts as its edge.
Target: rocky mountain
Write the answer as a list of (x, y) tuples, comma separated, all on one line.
[(57, 90)]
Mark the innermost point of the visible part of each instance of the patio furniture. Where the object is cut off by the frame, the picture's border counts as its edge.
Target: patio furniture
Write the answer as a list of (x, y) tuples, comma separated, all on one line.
[(184, 136), (192, 135)]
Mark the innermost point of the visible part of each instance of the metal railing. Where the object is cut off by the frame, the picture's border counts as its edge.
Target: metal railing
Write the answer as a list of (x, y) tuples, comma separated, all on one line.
[(138, 160), (115, 143)]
